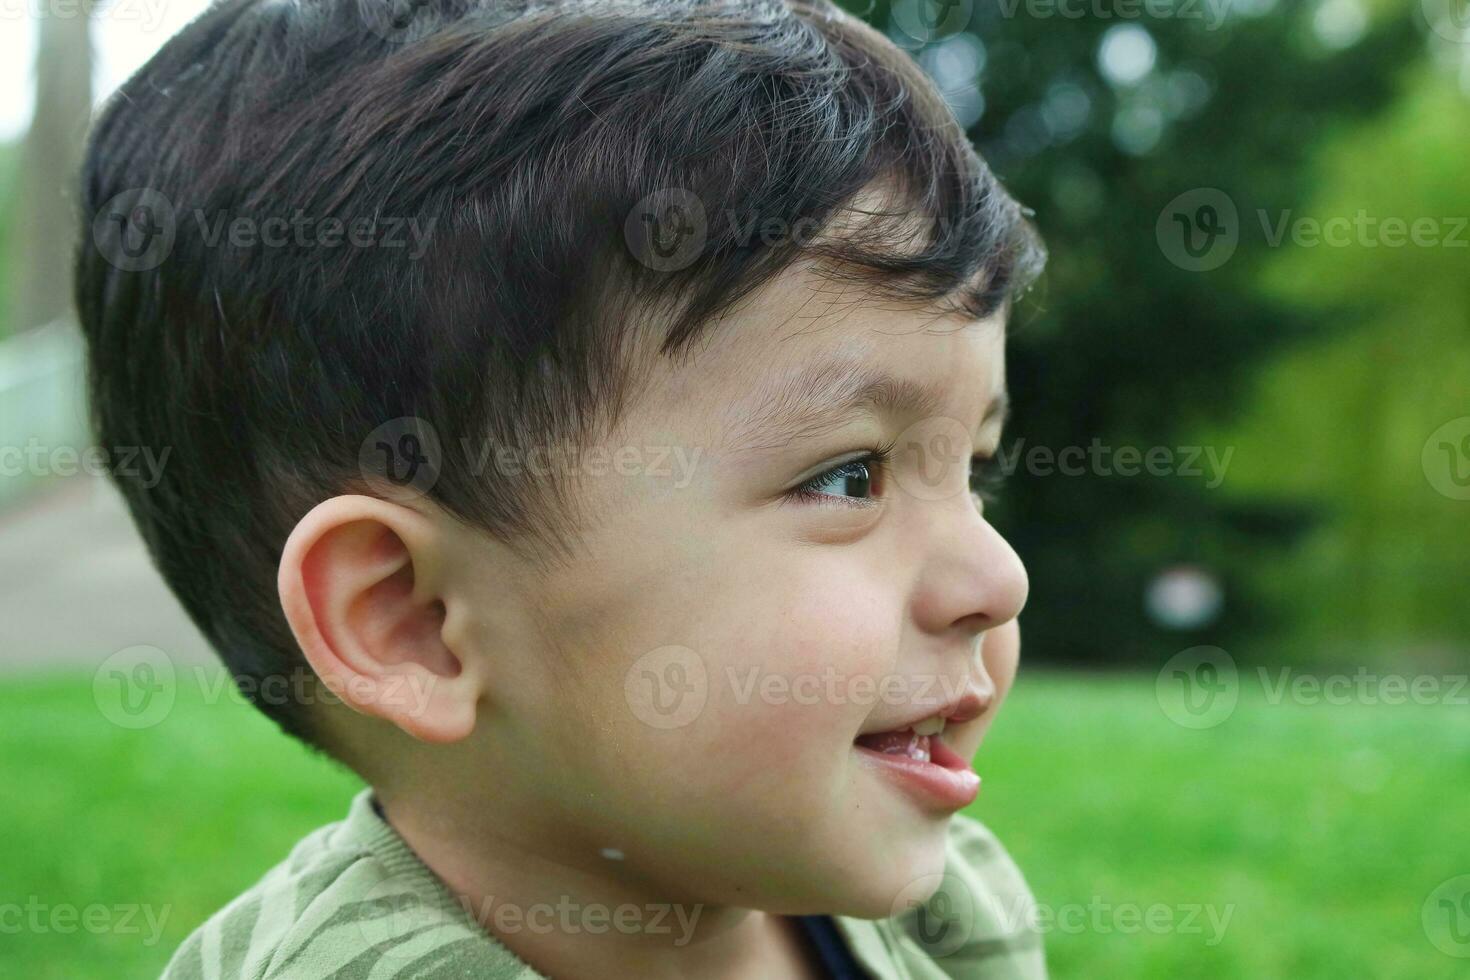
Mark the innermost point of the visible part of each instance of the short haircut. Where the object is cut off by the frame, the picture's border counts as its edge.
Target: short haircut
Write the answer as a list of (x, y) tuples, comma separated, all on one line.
[(543, 145)]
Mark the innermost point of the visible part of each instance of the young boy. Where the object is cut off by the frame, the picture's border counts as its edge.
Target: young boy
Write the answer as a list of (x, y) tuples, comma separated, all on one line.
[(579, 417)]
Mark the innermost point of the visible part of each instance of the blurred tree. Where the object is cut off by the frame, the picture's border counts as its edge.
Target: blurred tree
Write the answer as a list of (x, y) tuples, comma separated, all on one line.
[(1347, 422), (1099, 114), (44, 227)]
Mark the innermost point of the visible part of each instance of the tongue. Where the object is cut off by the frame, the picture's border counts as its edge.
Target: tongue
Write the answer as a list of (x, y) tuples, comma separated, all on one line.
[(892, 743)]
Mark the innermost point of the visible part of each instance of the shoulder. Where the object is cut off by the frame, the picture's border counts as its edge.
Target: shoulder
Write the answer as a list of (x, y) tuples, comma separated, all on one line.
[(350, 900), (980, 864), (979, 921)]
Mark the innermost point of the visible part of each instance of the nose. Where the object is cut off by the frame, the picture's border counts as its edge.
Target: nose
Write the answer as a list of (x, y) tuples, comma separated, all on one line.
[(972, 579)]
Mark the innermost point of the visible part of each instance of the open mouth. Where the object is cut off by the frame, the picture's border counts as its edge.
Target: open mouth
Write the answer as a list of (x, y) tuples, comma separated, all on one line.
[(918, 759), (915, 742)]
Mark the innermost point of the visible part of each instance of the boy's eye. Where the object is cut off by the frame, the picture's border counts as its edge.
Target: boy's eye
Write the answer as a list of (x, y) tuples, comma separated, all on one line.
[(853, 479), (859, 479)]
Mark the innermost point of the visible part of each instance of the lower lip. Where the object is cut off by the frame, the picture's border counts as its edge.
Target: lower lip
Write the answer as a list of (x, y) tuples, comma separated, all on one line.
[(945, 782)]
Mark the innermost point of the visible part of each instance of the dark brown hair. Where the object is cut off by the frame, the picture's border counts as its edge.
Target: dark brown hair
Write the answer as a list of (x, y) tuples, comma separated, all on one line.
[(585, 171)]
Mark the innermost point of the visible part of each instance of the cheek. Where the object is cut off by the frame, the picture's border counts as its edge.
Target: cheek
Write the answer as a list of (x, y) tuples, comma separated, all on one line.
[(1000, 650), (753, 698), (720, 688), (796, 674), (707, 710)]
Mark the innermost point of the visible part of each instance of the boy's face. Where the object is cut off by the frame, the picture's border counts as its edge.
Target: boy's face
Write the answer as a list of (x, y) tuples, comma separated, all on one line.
[(681, 704)]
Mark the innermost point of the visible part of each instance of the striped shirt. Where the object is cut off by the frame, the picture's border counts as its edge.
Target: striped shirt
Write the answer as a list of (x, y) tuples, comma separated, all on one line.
[(352, 901)]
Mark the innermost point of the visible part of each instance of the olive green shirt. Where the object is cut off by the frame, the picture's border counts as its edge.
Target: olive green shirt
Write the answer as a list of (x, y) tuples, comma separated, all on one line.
[(353, 901)]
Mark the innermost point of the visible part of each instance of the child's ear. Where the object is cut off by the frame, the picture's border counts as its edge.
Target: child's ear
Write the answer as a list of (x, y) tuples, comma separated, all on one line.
[(359, 586)]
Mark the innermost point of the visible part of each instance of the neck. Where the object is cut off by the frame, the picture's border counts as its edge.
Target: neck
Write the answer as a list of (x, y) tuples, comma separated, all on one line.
[(571, 918)]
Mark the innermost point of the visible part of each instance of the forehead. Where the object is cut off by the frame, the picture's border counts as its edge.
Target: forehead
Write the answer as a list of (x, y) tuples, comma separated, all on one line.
[(804, 337)]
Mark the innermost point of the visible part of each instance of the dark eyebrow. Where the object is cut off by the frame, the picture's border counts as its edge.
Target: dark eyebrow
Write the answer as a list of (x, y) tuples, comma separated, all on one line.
[(827, 395)]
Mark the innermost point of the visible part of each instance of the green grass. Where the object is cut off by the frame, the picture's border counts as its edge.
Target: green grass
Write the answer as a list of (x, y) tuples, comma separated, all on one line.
[(1324, 826), (1320, 829)]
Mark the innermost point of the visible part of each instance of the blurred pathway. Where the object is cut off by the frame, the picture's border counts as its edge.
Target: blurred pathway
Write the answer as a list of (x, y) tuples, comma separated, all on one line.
[(76, 584)]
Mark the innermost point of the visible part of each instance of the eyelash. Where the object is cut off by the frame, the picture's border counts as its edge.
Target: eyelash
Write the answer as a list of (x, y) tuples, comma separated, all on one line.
[(987, 478), (875, 458)]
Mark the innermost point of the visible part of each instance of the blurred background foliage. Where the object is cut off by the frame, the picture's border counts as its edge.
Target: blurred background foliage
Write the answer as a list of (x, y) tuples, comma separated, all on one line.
[(1321, 370)]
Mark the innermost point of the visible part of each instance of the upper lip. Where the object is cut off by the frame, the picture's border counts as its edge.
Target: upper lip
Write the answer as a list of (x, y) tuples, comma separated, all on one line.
[(968, 706)]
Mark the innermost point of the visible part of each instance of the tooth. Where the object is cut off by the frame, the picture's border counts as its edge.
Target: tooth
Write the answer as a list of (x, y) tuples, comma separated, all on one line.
[(930, 726)]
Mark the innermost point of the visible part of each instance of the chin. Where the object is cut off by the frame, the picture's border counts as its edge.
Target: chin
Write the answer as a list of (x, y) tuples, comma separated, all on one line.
[(891, 874)]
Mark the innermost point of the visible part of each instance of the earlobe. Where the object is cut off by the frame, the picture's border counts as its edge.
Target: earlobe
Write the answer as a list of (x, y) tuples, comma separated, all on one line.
[(360, 588)]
